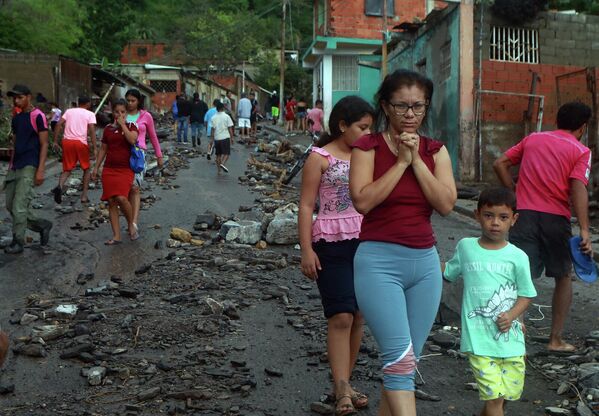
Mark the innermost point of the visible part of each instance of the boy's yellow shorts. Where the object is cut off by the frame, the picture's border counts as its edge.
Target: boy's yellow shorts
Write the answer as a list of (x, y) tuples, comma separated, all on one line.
[(498, 377)]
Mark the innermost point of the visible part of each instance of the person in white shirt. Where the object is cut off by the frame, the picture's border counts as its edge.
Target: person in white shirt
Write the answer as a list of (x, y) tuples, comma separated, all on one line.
[(221, 137), (244, 113)]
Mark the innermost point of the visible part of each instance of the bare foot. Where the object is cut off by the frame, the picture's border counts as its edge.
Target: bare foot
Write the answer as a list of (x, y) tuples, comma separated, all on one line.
[(561, 346)]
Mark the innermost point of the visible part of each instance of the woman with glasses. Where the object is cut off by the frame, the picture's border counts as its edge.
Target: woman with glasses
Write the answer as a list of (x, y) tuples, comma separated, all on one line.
[(398, 177)]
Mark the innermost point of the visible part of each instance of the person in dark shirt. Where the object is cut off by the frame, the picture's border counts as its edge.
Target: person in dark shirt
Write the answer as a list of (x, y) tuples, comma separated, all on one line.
[(40, 98), (198, 111), (184, 111), (30, 137)]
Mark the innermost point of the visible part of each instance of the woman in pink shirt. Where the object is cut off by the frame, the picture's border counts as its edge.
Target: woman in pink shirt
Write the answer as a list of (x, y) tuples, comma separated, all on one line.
[(328, 245), (315, 117), (145, 127)]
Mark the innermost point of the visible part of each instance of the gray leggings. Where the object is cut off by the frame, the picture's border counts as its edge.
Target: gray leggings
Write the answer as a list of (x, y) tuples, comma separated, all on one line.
[(398, 290)]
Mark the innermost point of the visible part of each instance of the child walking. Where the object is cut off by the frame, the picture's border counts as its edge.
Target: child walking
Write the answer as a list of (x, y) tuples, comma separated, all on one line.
[(497, 290), (221, 137), (329, 244)]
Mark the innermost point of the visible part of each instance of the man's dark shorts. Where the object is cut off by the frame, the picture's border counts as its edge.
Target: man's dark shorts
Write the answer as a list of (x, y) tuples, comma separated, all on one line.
[(222, 147), (544, 238)]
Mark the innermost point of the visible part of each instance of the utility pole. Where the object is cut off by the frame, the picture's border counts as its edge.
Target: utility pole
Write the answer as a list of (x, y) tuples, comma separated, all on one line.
[(384, 52), (243, 76), (282, 66)]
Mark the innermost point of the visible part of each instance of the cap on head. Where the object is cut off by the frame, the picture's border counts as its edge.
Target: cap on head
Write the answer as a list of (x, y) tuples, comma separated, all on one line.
[(19, 89), (83, 100)]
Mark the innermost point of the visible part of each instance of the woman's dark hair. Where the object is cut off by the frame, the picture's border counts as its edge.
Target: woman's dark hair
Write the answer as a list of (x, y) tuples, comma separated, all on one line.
[(349, 109), (572, 116), (119, 101), (393, 82), (140, 98)]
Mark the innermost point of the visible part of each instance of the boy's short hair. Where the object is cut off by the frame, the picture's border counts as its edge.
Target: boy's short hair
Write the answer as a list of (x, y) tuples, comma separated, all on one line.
[(497, 196), (318, 102), (84, 99), (215, 102), (572, 116), (220, 106)]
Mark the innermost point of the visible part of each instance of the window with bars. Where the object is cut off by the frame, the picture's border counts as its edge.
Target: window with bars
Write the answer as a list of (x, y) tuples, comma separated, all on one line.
[(445, 67), (163, 85), (345, 73), (509, 44), (375, 7)]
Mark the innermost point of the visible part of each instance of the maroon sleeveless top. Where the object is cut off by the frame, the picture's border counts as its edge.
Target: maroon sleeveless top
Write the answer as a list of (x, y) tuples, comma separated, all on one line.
[(405, 216)]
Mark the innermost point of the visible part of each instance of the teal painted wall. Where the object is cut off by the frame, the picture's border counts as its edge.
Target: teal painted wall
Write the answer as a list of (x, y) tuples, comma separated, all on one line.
[(369, 82), (443, 117)]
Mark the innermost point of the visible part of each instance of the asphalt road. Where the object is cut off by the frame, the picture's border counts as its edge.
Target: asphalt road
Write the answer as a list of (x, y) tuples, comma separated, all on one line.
[(270, 341)]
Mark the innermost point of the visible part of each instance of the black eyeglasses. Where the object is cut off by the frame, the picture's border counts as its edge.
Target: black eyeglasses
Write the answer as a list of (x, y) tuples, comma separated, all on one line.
[(402, 108)]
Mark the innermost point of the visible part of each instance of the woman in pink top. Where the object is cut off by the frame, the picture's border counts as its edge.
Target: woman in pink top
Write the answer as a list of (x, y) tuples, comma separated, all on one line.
[(315, 117), (329, 243), (145, 126)]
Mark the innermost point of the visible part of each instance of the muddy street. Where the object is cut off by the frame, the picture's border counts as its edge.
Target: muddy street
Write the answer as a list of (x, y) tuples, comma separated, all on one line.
[(203, 322)]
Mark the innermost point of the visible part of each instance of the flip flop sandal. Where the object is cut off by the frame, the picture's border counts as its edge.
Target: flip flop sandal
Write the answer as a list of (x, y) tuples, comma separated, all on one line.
[(135, 235), (359, 400), (584, 265), (112, 242), (346, 409)]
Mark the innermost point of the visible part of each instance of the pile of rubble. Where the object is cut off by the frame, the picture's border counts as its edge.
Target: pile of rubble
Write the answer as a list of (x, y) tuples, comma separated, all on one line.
[(573, 375), (158, 342)]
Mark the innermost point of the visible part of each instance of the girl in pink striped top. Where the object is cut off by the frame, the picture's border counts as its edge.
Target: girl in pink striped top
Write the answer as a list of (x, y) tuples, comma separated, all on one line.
[(329, 243)]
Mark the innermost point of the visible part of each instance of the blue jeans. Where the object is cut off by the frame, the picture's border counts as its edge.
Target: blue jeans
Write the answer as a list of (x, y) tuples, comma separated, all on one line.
[(196, 131), (398, 290), (182, 124)]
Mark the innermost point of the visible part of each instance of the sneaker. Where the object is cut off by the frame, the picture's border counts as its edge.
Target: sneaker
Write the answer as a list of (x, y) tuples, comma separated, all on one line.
[(208, 156), (14, 248), (57, 195), (223, 167)]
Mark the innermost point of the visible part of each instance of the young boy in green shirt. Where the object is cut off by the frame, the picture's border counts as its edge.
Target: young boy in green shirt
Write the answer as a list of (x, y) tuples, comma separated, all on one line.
[(497, 290)]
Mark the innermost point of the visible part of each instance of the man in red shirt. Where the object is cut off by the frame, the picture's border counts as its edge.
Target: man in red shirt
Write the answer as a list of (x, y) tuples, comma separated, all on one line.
[(554, 170)]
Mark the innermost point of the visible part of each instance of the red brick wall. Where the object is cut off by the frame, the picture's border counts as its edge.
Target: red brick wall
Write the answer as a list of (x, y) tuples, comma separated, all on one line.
[(130, 54), (347, 18), (513, 77)]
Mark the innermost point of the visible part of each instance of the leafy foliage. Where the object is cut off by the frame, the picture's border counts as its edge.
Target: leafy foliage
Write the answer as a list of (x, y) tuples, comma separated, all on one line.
[(227, 30), (582, 6), (297, 79), (518, 11), (43, 26)]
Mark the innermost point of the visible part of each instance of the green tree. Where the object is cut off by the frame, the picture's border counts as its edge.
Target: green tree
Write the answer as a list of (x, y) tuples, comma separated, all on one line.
[(42, 26), (109, 25), (584, 6), (298, 80)]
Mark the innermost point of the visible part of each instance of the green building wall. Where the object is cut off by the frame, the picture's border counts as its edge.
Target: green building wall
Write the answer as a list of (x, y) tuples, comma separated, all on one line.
[(443, 117), (369, 81)]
